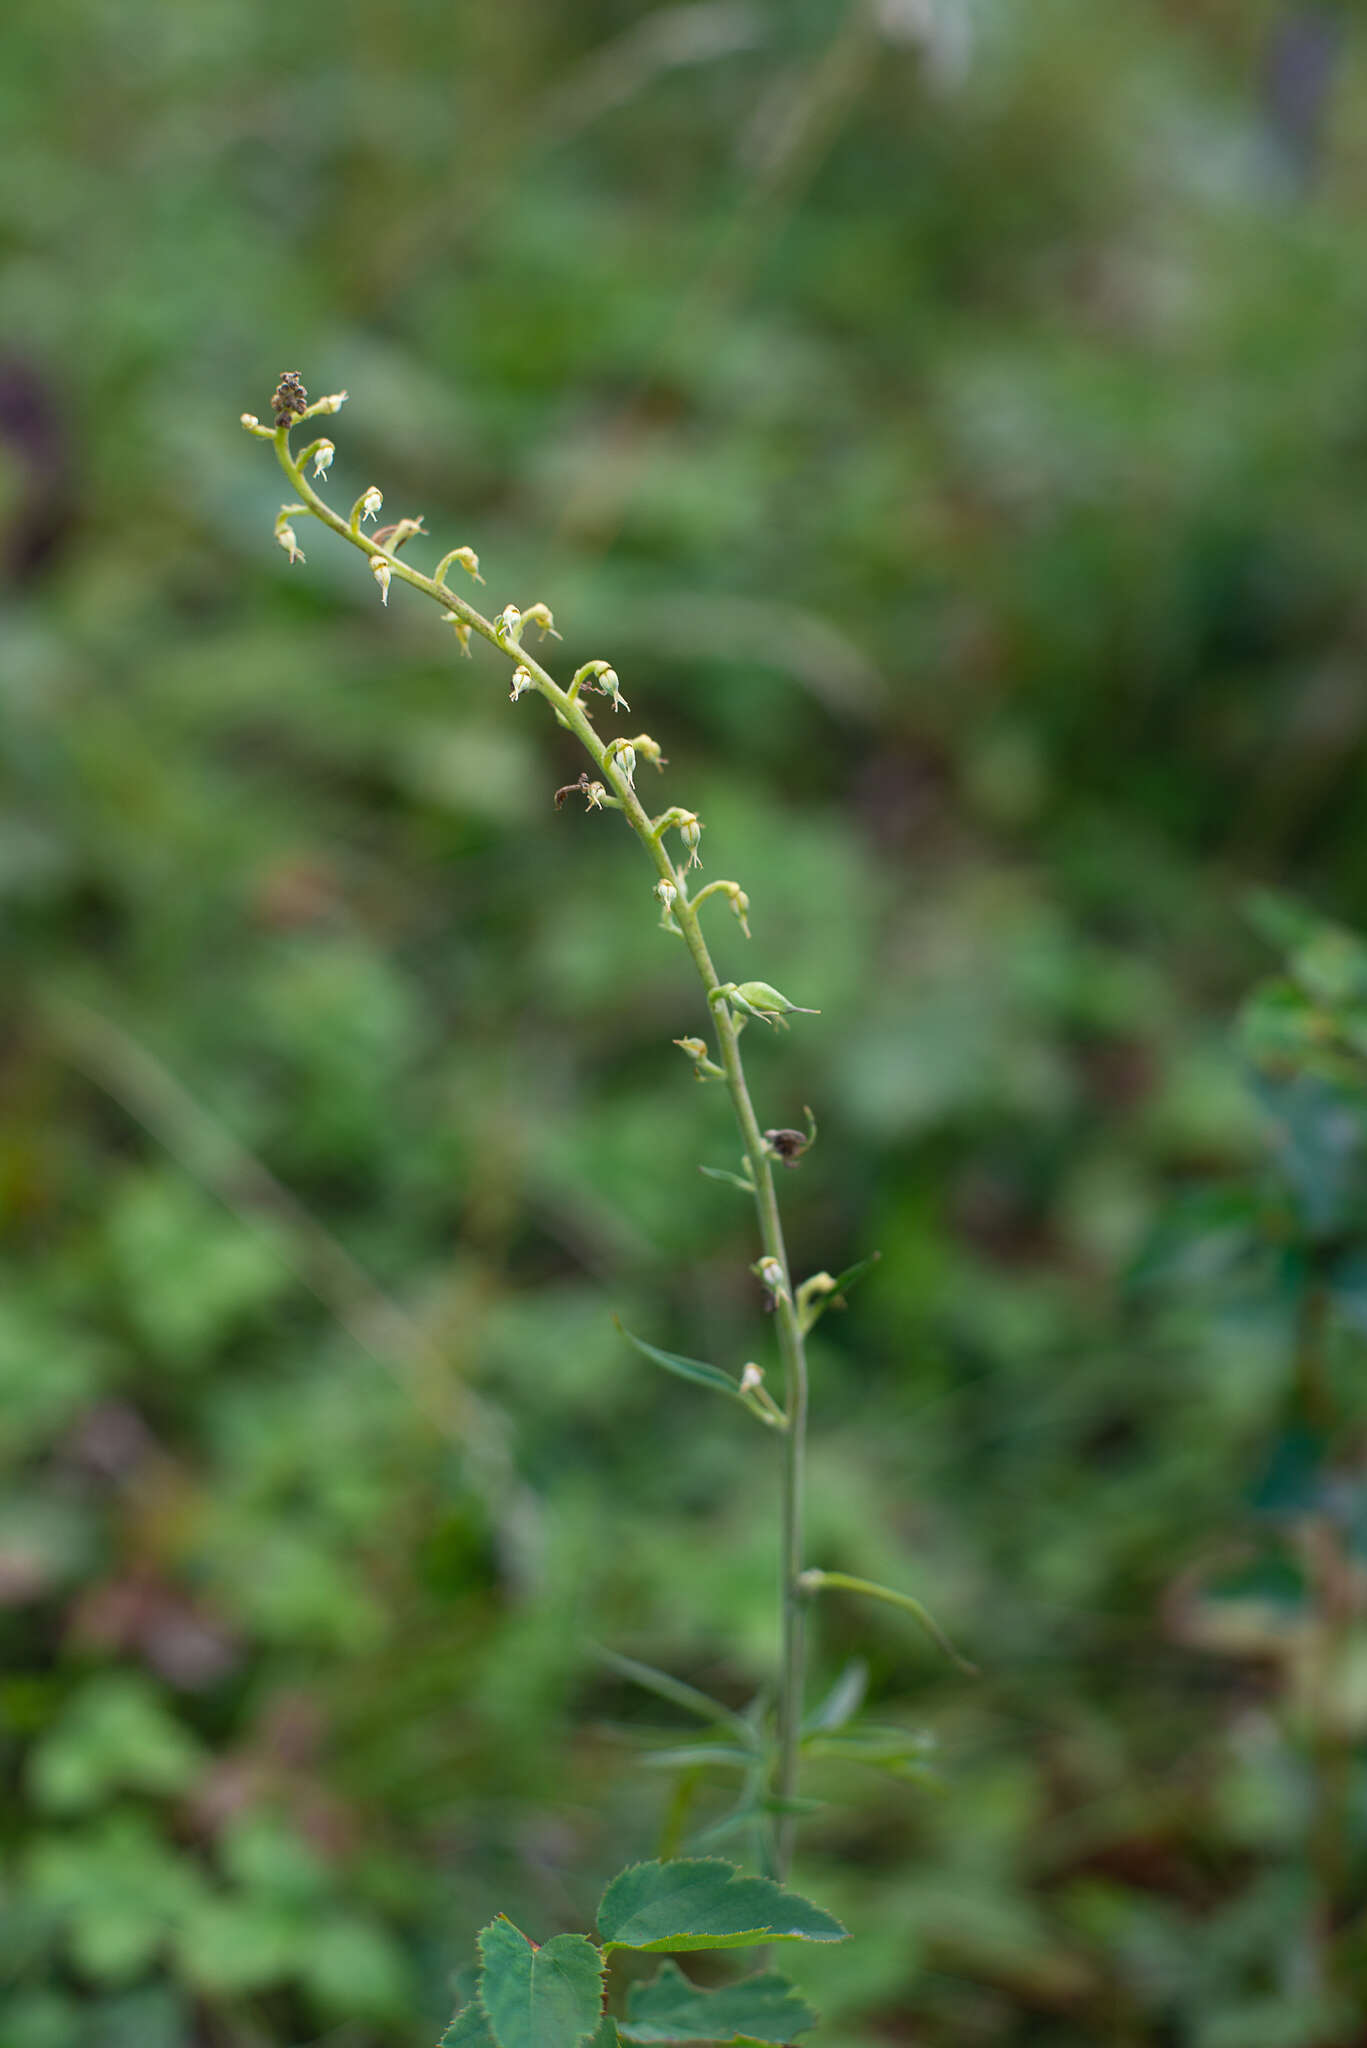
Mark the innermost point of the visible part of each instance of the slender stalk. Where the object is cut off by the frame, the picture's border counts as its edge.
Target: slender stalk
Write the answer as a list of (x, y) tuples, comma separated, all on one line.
[(570, 713)]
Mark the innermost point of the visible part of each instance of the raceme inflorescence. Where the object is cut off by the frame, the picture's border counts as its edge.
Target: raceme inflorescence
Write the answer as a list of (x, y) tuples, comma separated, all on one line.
[(553, 1995)]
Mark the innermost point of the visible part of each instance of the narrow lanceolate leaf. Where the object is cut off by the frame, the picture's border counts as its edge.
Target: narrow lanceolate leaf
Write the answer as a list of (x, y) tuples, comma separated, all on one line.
[(852, 1275), (670, 2009), (701, 1902), (902, 1752), (695, 1369), (734, 1180), (687, 1756), (679, 1694), (469, 2029), (842, 1702), (548, 1997)]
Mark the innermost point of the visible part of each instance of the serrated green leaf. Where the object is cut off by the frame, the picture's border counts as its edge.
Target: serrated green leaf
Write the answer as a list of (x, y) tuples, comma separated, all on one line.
[(695, 1369), (607, 2035), (842, 1702), (548, 1997), (669, 2009), (469, 2029), (701, 1902)]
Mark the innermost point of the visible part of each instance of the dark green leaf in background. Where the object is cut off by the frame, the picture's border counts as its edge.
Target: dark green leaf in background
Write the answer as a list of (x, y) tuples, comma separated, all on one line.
[(670, 2009)]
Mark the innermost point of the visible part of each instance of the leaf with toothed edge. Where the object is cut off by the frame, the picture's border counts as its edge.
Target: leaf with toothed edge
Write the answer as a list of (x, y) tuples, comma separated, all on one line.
[(547, 1997), (670, 2010), (703, 1902), (469, 2029)]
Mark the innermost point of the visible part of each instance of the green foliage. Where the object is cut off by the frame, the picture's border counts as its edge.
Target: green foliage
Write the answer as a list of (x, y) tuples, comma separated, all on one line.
[(669, 2008), (700, 1902), (978, 486), (547, 1997), (695, 1369)]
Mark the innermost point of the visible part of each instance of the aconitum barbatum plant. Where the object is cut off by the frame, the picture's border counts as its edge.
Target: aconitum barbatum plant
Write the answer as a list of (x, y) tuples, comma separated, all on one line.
[(555, 1995)]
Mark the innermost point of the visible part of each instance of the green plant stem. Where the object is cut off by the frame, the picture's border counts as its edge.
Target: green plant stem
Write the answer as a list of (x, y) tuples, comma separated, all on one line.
[(570, 713)]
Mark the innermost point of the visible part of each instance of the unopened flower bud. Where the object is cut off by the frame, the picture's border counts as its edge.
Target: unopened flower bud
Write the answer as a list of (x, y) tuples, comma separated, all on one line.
[(322, 457), (289, 542), (649, 750), (596, 792), (751, 1379), (249, 421), (612, 689), (469, 562), (334, 402), (625, 758), (770, 1271), (758, 999), (667, 892), (381, 571), (740, 903), (818, 1287), (371, 500), (704, 1068), (508, 624), (690, 831), (539, 615), (522, 682), (460, 629)]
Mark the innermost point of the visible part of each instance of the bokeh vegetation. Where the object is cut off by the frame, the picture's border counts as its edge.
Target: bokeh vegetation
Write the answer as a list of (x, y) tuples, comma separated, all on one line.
[(952, 421)]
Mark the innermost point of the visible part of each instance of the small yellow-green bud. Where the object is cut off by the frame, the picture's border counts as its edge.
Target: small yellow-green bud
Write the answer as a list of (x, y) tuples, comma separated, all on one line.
[(460, 629), (649, 750), (371, 500), (381, 571), (705, 1069), (624, 754), (289, 541), (539, 615), (322, 457), (740, 904), (469, 562), (690, 831), (508, 625), (332, 403), (758, 999), (522, 682), (599, 675), (770, 1271), (667, 892)]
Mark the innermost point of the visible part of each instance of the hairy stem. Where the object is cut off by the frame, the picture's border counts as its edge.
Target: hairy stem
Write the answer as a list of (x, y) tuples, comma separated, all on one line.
[(570, 713)]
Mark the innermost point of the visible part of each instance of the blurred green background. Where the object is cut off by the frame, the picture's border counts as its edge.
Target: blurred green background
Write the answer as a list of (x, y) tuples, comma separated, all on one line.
[(950, 416)]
